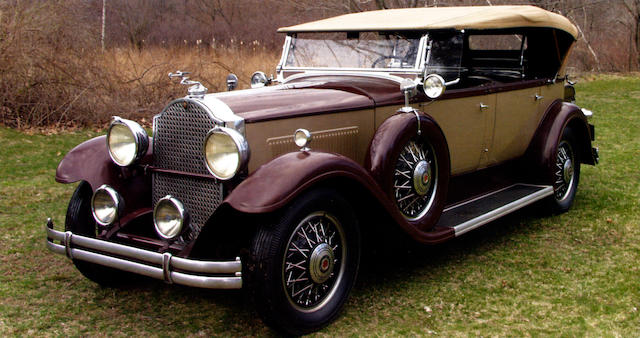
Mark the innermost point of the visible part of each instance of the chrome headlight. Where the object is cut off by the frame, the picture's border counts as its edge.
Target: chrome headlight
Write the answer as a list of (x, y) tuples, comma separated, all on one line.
[(169, 217), (433, 86), (225, 152), (106, 205), (127, 141)]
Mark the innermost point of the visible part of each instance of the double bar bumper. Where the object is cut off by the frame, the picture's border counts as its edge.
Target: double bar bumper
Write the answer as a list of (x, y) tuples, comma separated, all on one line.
[(144, 262)]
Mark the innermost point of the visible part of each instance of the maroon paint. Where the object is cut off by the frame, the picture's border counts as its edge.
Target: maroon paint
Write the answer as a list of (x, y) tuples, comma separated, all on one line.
[(542, 149), (385, 148), (323, 94), (278, 182), (285, 101), (90, 162)]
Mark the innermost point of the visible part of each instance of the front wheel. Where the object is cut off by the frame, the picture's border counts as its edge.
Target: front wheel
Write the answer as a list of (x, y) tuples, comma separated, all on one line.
[(303, 265)]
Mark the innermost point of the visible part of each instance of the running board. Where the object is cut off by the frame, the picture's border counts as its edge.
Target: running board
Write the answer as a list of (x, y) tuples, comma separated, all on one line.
[(479, 211)]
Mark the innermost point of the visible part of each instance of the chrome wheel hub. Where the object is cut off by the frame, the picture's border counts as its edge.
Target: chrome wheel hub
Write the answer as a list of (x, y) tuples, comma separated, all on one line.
[(567, 171), (314, 261), (415, 179), (422, 178), (321, 263)]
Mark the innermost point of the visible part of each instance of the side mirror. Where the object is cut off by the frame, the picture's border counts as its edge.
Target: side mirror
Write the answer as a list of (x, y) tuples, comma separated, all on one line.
[(232, 82)]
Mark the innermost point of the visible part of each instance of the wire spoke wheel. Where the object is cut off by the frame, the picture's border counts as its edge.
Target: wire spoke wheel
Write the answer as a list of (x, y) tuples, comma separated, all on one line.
[(415, 179), (564, 171), (314, 261)]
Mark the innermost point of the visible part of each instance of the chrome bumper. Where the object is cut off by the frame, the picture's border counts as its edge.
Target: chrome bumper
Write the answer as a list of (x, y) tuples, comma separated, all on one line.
[(144, 262)]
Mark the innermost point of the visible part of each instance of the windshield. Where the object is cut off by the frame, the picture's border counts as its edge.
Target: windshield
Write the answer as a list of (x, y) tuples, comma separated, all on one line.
[(364, 50)]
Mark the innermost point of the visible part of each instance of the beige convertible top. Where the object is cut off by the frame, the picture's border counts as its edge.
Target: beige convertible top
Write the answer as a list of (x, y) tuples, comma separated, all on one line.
[(464, 17)]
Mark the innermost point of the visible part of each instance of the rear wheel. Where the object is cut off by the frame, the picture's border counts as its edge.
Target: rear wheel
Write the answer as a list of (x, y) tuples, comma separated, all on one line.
[(303, 266), (80, 221), (566, 172)]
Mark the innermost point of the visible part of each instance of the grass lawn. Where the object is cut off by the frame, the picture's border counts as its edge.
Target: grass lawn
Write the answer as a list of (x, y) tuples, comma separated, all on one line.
[(527, 274)]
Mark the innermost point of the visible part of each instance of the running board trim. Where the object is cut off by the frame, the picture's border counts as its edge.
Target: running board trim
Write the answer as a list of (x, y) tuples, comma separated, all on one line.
[(503, 210)]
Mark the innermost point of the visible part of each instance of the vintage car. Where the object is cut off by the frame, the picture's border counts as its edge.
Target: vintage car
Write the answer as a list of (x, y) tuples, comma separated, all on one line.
[(433, 121)]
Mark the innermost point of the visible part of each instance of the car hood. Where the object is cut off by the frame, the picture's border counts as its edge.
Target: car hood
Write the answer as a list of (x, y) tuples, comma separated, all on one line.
[(312, 95)]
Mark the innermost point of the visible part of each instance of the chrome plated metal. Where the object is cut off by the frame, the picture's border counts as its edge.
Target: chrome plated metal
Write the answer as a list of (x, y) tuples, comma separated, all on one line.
[(196, 89), (314, 261), (435, 77), (483, 106), (139, 134), (232, 82), (587, 113), (117, 200), (259, 79), (408, 88), (178, 135), (179, 207), (564, 171), (538, 97), (501, 211), (204, 274), (223, 113), (200, 197), (241, 145), (415, 179), (422, 177), (321, 263), (302, 138)]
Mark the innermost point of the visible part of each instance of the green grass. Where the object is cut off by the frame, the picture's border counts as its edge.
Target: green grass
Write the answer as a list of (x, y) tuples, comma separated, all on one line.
[(528, 274)]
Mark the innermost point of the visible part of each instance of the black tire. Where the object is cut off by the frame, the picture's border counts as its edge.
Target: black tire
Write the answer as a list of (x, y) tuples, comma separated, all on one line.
[(565, 172), (79, 220), (420, 201), (295, 253)]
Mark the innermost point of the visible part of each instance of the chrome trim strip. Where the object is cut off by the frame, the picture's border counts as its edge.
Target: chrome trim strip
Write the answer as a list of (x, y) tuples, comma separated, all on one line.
[(503, 210), (147, 263)]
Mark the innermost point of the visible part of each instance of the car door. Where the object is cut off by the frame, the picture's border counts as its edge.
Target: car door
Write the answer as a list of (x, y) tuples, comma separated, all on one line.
[(516, 119), (467, 124)]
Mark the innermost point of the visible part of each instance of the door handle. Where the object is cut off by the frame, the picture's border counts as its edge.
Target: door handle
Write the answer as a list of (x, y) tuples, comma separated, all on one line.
[(483, 106), (538, 97)]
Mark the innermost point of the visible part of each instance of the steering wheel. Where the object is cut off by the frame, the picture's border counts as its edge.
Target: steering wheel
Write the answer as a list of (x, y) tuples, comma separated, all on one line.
[(386, 57)]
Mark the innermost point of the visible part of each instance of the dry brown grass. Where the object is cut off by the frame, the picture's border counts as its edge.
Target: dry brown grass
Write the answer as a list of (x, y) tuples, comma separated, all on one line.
[(87, 89)]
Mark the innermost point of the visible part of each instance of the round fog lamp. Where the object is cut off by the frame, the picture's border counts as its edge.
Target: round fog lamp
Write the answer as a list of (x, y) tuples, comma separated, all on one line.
[(106, 204), (433, 86), (127, 141), (169, 217)]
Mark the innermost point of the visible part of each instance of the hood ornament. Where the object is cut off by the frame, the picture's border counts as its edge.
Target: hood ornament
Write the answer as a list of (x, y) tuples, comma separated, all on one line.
[(197, 90)]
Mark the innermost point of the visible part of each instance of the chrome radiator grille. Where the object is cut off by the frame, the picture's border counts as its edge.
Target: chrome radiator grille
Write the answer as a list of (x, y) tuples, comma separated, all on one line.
[(179, 133), (200, 196)]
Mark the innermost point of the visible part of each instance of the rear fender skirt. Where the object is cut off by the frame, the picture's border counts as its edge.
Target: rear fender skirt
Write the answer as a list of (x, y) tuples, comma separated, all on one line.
[(90, 161), (541, 151), (277, 183)]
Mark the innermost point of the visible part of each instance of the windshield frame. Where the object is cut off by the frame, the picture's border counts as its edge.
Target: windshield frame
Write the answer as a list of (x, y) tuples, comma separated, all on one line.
[(416, 69)]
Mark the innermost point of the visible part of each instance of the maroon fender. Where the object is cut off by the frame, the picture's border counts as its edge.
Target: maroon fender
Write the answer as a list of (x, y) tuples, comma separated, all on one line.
[(541, 151), (386, 146), (90, 161), (278, 182)]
